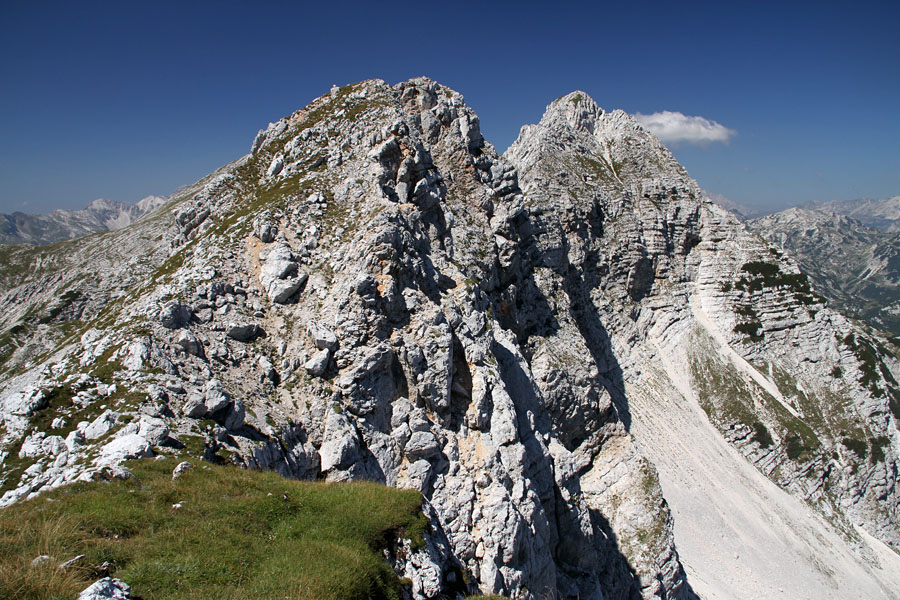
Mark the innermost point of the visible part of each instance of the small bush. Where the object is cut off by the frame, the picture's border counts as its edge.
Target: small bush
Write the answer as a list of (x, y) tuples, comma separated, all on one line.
[(750, 328), (794, 446), (857, 446), (761, 435), (877, 446)]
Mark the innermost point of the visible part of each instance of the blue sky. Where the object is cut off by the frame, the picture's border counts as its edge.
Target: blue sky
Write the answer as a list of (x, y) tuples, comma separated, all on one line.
[(122, 100)]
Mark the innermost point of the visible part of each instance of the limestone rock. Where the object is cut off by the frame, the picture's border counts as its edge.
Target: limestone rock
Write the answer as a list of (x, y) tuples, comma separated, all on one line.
[(243, 332), (317, 364), (180, 468), (421, 444), (174, 315), (527, 340), (107, 588), (101, 425), (124, 448)]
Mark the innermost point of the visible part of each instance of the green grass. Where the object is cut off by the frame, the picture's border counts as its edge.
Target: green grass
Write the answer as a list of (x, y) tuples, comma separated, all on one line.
[(237, 534)]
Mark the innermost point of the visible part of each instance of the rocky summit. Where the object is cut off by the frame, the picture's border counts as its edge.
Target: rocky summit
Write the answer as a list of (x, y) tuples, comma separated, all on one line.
[(602, 384)]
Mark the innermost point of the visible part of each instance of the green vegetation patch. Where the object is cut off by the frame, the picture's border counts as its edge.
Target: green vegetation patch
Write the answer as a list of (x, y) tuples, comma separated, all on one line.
[(759, 275), (871, 357), (215, 532), (750, 328), (857, 446), (761, 435)]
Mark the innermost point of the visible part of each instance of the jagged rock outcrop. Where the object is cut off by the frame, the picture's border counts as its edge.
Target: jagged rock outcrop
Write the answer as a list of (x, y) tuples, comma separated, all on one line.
[(375, 293)]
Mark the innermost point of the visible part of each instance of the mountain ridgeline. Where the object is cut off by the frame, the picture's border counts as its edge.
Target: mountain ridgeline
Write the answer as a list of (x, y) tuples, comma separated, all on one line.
[(99, 216), (856, 267), (603, 385)]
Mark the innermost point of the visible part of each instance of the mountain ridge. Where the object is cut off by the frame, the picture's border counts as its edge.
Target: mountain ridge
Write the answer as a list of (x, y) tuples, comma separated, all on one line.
[(99, 216), (375, 293), (856, 267)]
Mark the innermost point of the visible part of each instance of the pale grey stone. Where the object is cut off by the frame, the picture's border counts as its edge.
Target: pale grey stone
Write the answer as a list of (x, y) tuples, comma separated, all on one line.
[(101, 425), (421, 444), (107, 588), (180, 468), (317, 364)]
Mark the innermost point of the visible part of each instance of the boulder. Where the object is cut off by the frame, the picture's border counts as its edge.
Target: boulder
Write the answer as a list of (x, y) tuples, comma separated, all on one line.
[(106, 589), (124, 448), (53, 445), (281, 290), (101, 425), (235, 418), (316, 365), (154, 430), (323, 336), (277, 268), (215, 397), (32, 446), (181, 468), (189, 343), (195, 407), (243, 332), (174, 315), (265, 227), (421, 444)]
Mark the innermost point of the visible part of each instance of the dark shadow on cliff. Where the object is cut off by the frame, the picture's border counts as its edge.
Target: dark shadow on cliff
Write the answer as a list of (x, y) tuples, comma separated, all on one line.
[(587, 563)]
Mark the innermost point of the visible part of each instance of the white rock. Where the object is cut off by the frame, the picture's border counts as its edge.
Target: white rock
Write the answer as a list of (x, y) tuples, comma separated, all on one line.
[(154, 430), (124, 448), (101, 425), (181, 468), (322, 335), (317, 364), (421, 444), (106, 589)]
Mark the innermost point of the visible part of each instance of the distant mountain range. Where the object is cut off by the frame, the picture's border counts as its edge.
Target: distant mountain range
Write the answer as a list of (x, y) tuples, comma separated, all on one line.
[(883, 214), (854, 261), (100, 215)]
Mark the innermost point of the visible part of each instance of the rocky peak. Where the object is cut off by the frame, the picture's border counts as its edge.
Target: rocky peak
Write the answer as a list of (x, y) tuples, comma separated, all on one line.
[(856, 267), (609, 148), (577, 109), (100, 215), (374, 293)]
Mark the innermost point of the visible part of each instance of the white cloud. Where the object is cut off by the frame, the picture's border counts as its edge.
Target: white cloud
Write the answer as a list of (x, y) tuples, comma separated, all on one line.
[(674, 127)]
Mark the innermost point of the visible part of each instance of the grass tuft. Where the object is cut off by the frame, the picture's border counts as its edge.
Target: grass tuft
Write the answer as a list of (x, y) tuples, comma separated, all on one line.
[(236, 534)]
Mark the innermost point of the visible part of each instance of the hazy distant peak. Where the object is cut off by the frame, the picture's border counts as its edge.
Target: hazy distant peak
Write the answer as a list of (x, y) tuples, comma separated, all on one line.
[(883, 214), (100, 215)]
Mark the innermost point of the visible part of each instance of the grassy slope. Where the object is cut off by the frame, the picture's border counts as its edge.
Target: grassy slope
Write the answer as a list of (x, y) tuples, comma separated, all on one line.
[(237, 534)]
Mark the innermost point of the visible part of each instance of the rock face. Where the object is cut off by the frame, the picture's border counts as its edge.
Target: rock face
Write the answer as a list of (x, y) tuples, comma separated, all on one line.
[(492, 331), (855, 267)]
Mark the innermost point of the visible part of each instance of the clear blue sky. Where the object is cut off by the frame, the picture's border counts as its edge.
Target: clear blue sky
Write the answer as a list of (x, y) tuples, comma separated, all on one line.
[(122, 99)]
